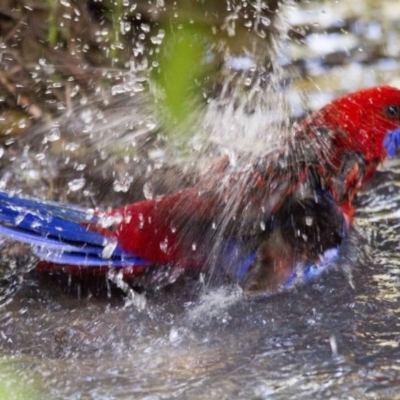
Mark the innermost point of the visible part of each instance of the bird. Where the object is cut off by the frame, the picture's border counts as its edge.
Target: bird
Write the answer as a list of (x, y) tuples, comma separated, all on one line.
[(283, 215)]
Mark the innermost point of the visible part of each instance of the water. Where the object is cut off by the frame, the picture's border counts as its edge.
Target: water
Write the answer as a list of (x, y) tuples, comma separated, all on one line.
[(339, 334), (337, 337)]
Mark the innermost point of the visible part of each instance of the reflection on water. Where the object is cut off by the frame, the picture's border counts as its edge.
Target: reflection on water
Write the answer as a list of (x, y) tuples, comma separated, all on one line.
[(338, 336)]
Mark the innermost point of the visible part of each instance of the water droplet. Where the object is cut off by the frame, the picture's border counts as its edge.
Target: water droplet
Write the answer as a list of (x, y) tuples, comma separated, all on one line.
[(194, 246), (76, 184), (265, 21), (334, 346), (36, 224), (123, 184), (262, 225), (89, 214), (173, 335), (141, 221), (106, 220), (150, 124), (19, 218), (22, 123), (40, 156), (71, 146), (309, 221), (125, 27), (148, 190), (108, 249), (80, 167), (145, 27), (164, 245), (86, 116), (117, 89)]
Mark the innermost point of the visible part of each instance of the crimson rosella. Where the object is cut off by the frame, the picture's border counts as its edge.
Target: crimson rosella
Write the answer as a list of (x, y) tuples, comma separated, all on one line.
[(284, 212)]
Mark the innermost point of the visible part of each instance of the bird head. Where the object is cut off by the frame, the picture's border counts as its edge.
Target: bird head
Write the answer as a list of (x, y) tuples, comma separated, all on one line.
[(367, 121)]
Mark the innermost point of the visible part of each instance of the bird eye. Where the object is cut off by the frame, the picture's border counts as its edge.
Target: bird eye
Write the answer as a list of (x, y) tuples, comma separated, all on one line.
[(392, 111)]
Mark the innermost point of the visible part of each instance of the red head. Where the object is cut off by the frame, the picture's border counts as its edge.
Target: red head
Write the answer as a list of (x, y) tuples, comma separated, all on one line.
[(362, 120)]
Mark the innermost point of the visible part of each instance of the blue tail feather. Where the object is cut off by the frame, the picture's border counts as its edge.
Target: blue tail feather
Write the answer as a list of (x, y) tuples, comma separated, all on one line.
[(46, 207), (57, 233), (87, 260), (49, 226)]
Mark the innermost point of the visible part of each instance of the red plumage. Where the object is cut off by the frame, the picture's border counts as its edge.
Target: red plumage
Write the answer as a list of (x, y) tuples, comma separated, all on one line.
[(336, 149)]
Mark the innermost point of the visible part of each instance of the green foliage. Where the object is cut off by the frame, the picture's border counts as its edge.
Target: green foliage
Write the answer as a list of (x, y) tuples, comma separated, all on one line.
[(53, 33), (117, 14), (181, 70), (13, 387)]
